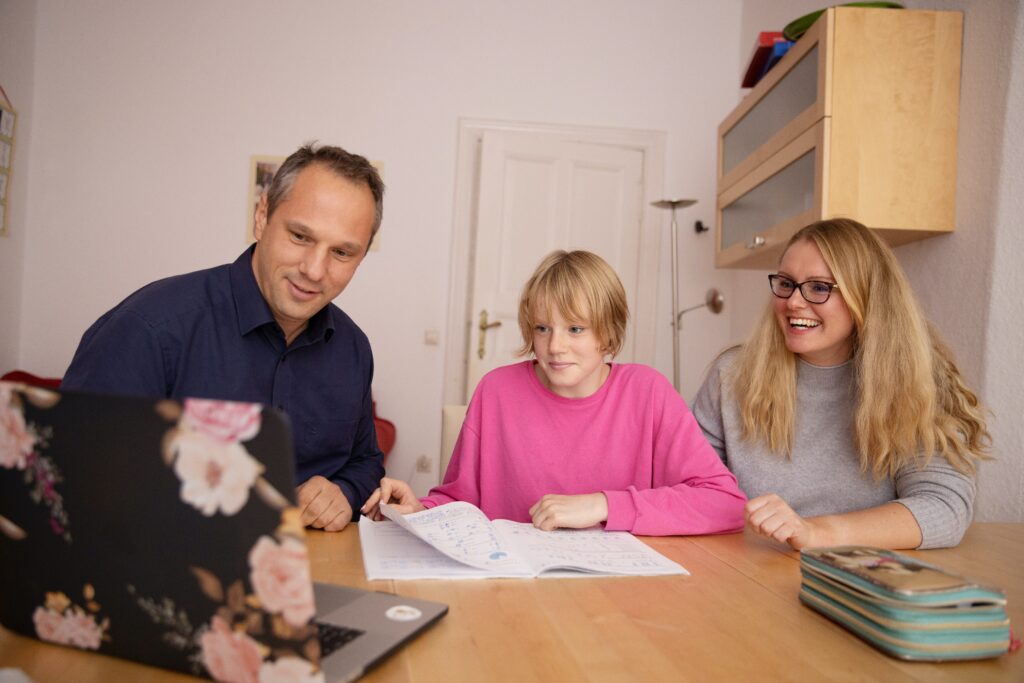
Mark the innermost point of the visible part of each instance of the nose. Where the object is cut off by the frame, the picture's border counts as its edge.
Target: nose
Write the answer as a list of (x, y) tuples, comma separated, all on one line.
[(556, 343), (314, 265), (796, 301)]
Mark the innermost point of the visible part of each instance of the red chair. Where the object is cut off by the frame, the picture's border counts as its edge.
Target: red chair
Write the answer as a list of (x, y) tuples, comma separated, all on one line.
[(22, 377), (386, 432)]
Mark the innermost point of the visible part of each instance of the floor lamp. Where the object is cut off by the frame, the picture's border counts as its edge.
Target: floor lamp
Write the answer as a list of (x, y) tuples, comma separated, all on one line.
[(713, 300), (675, 204)]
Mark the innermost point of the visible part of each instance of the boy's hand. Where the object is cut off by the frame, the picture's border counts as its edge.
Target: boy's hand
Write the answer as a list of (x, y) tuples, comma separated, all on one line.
[(395, 493), (569, 512)]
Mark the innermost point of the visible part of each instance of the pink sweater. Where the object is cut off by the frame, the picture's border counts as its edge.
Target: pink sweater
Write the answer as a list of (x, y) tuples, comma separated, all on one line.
[(634, 440)]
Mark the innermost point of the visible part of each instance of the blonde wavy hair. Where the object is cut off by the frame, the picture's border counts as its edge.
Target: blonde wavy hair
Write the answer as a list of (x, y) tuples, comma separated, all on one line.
[(584, 288), (911, 402)]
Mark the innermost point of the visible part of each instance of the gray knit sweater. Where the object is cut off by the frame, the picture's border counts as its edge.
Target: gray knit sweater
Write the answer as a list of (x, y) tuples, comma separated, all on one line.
[(823, 476)]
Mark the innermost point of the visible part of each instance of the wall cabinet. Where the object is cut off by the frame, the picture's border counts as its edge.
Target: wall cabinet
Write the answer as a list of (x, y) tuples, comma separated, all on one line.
[(859, 119)]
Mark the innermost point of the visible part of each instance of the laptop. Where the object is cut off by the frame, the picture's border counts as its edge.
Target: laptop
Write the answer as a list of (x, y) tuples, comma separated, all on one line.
[(166, 532)]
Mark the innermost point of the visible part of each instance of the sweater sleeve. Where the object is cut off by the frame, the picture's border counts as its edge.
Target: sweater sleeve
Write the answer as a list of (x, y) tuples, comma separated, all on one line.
[(940, 497), (707, 409), (692, 491), (461, 480)]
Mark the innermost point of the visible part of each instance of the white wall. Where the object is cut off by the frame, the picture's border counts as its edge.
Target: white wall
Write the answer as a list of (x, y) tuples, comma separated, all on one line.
[(969, 283), (17, 47), (145, 114), (1003, 483)]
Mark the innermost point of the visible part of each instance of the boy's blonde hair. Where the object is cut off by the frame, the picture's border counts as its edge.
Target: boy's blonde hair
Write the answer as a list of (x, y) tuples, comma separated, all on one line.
[(911, 400), (583, 288)]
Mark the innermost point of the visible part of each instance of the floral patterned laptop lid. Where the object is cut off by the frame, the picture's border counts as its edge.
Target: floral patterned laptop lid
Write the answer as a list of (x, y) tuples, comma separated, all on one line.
[(155, 530)]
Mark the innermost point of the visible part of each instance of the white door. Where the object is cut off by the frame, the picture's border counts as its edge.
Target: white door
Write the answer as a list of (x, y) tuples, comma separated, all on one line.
[(538, 193)]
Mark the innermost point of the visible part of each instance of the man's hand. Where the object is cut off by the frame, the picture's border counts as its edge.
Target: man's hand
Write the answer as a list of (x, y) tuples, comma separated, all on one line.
[(569, 512), (323, 504), (771, 516), (395, 493)]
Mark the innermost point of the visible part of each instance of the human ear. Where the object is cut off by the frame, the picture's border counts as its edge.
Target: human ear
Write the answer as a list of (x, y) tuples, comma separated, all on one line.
[(260, 222)]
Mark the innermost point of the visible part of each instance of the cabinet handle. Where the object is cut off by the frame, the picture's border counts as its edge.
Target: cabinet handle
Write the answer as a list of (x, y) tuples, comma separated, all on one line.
[(756, 242)]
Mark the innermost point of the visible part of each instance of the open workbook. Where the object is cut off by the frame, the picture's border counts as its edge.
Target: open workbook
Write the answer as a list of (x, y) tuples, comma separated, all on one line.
[(457, 541)]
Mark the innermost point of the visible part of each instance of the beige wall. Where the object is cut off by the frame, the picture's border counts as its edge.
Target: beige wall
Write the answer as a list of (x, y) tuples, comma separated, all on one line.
[(1002, 482), (17, 47)]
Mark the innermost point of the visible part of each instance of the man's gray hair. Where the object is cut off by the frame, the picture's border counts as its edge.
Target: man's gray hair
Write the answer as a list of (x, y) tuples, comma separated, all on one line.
[(347, 165)]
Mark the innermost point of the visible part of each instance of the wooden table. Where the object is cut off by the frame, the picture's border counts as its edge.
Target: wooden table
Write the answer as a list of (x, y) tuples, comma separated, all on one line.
[(736, 617)]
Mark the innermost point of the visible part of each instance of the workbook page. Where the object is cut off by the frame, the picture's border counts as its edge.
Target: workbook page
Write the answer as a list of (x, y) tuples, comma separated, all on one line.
[(462, 532), (391, 552), (590, 550)]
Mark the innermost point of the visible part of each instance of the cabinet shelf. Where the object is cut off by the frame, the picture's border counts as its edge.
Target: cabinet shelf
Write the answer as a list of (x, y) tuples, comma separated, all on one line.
[(859, 119)]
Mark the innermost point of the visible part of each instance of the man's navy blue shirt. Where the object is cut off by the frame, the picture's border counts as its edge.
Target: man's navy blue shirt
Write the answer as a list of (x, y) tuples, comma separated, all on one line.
[(210, 334)]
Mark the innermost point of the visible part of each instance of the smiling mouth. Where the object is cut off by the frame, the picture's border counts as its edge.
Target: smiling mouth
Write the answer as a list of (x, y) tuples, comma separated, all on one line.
[(804, 323), (302, 292)]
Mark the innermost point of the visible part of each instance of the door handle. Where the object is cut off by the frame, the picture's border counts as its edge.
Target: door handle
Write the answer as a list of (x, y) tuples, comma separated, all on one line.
[(483, 327), (756, 242)]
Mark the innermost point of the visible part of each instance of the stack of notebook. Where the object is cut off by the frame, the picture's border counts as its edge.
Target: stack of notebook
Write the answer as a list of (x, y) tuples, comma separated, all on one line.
[(904, 607)]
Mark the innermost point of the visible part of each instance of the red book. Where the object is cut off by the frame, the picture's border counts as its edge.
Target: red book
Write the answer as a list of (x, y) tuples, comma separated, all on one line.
[(763, 48)]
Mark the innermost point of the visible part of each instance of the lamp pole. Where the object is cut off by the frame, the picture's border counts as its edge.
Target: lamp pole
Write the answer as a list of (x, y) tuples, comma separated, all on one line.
[(674, 204)]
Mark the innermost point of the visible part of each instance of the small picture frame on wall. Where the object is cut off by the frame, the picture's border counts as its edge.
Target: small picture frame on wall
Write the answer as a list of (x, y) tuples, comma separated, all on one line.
[(8, 117), (262, 168), (6, 122)]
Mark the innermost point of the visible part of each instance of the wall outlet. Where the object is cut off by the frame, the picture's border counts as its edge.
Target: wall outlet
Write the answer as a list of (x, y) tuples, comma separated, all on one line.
[(423, 464)]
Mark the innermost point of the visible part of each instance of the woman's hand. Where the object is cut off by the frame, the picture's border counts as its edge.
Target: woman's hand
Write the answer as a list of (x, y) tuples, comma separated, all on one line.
[(771, 516), (570, 512), (395, 493)]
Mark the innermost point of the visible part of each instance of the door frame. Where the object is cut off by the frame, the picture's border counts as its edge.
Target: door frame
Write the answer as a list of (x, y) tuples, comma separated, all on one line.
[(651, 144)]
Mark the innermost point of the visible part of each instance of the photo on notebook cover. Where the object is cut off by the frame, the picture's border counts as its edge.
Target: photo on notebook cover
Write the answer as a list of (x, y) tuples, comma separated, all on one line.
[(192, 560), (892, 572)]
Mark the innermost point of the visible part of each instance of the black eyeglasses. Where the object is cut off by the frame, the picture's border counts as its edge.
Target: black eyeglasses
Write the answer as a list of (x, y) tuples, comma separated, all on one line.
[(813, 291)]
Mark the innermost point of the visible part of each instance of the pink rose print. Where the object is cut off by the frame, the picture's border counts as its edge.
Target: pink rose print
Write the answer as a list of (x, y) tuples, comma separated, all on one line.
[(230, 656), (16, 441), (81, 630), (68, 626), (290, 670), (223, 421), (214, 474), (48, 624), (280, 576)]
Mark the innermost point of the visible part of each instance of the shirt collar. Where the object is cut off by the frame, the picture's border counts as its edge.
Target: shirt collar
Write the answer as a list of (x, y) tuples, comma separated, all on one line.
[(252, 310)]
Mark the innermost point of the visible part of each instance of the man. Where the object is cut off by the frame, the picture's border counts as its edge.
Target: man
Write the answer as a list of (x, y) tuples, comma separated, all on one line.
[(263, 329)]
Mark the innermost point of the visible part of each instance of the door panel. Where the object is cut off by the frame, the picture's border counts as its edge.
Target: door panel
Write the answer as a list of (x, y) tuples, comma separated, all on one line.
[(538, 193)]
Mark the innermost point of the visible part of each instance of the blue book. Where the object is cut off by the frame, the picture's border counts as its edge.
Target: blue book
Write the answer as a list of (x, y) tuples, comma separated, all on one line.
[(779, 50)]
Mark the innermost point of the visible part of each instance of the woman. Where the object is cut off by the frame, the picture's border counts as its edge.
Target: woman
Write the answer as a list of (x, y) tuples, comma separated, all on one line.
[(844, 417)]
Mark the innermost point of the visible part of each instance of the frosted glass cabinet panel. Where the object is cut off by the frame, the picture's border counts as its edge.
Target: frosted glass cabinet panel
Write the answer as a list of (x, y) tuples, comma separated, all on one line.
[(788, 193), (796, 92), (757, 215)]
